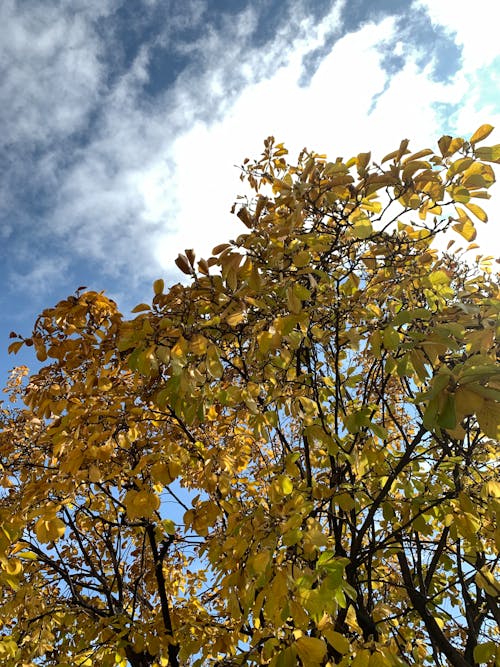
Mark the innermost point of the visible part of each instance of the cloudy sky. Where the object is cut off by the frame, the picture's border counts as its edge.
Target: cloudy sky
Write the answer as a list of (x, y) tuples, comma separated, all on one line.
[(123, 121)]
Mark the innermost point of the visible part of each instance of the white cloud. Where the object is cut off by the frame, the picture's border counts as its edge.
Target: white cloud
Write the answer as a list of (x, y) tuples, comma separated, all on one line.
[(474, 26), (159, 178), (158, 175), (51, 71)]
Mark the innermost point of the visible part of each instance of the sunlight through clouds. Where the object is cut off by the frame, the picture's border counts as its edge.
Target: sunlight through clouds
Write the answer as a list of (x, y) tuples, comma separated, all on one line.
[(350, 105)]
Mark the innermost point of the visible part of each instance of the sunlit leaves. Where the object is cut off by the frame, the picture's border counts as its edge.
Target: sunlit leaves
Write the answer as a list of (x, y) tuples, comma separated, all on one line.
[(140, 504), (362, 227), (49, 528), (481, 133), (291, 457), (310, 650)]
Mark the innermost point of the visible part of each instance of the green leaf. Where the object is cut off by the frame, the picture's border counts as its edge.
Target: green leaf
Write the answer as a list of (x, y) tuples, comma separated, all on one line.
[(447, 414), (484, 652), (379, 431), (489, 153), (390, 338), (406, 316), (431, 414), (489, 419), (301, 259), (214, 365), (168, 526), (362, 228), (438, 278), (286, 658)]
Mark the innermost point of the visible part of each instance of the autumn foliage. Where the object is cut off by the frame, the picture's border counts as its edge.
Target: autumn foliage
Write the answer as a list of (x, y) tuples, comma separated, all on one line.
[(291, 458)]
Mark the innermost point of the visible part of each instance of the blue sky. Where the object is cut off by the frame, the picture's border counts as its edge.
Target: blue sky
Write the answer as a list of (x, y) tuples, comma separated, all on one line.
[(122, 121)]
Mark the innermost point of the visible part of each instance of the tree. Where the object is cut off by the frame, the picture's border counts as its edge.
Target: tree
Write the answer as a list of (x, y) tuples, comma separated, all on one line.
[(291, 459)]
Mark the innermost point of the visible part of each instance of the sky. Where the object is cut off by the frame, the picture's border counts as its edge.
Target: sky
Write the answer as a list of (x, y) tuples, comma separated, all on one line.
[(123, 122)]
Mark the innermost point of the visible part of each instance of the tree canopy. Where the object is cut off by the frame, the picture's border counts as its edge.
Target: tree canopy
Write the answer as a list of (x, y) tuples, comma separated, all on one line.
[(291, 457)]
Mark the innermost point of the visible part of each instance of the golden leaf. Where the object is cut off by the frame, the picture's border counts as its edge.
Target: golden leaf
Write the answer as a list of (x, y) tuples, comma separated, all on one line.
[(481, 133)]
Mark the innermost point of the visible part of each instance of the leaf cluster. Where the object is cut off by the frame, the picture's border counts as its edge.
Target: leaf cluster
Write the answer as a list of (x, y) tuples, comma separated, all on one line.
[(291, 459)]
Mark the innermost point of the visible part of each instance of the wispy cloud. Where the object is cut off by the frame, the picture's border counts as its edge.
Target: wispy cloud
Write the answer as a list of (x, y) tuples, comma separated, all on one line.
[(120, 164), (52, 72)]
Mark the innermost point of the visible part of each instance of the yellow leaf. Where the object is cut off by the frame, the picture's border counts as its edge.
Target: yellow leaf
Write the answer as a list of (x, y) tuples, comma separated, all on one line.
[(311, 650), (258, 562), (412, 166), (439, 277), (467, 402), (205, 515), (362, 227), (345, 501), (179, 351), (457, 167), (486, 580), (158, 286), (493, 489), (450, 145), (41, 352), (168, 526), (214, 365), (478, 211), (140, 503), (489, 419), (466, 230), (362, 658), (104, 384), (13, 567), (160, 473), (94, 473), (339, 642), (235, 318), (286, 485), (362, 161), (377, 659), (418, 155), (302, 259), (141, 307), (481, 133), (49, 530), (479, 175), (198, 344)]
